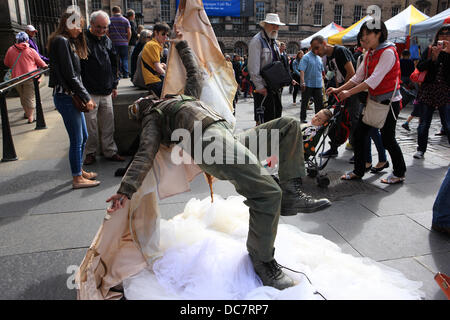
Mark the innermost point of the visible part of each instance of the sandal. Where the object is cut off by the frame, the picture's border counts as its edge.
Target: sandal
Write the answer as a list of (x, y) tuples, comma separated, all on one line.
[(391, 179), (350, 176)]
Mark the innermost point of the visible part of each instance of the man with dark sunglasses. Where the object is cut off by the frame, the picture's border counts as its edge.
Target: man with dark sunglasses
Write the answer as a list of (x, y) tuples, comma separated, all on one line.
[(153, 70)]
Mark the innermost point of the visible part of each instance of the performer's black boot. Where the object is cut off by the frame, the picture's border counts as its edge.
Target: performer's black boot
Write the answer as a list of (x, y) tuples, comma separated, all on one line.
[(271, 274), (294, 200)]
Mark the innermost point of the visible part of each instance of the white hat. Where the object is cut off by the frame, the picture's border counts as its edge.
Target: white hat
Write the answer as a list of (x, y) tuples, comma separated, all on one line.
[(30, 28), (272, 18)]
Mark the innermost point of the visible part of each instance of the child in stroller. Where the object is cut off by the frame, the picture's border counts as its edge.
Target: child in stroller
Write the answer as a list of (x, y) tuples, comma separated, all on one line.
[(324, 123)]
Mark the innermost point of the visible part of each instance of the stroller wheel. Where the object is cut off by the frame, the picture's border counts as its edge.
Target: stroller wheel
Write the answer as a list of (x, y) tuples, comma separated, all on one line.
[(323, 181), (311, 173)]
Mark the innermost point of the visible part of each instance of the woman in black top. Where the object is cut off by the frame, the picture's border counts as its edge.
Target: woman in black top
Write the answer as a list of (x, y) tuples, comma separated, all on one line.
[(434, 93), (66, 46)]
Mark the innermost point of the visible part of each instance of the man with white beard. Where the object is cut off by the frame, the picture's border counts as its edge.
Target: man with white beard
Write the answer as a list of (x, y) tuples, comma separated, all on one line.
[(263, 50)]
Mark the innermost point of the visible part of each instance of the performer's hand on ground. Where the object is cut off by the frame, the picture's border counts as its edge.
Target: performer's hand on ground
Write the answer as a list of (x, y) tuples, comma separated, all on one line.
[(118, 202)]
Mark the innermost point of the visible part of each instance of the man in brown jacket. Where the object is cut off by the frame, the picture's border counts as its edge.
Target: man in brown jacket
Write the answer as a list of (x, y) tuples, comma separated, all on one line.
[(265, 197)]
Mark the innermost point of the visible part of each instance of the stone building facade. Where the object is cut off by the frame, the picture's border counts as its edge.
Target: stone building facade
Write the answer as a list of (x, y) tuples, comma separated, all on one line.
[(302, 17)]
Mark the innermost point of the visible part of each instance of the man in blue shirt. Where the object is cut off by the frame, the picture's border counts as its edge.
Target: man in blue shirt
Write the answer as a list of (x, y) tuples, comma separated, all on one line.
[(311, 68)]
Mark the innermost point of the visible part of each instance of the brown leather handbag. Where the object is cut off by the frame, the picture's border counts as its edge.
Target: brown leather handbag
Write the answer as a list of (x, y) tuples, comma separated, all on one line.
[(444, 282), (79, 103)]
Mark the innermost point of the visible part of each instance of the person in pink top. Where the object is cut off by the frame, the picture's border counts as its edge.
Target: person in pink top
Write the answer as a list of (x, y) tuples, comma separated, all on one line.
[(23, 59)]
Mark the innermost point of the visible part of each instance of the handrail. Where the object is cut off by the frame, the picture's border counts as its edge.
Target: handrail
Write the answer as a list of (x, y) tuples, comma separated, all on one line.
[(15, 81), (9, 152)]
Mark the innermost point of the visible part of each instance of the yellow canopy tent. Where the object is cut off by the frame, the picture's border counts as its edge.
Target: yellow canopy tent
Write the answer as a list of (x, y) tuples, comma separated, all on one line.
[(348, 36)]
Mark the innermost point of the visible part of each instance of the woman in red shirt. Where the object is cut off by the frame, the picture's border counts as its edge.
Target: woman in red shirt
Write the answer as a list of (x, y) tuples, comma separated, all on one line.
[(23, 59)]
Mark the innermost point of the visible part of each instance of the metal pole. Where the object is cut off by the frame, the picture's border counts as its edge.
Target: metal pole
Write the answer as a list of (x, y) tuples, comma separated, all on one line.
[(40, 121), (9, 153)]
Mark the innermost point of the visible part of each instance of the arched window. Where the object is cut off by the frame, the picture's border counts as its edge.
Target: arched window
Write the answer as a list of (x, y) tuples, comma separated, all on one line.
[(292, 48), (222, 47)]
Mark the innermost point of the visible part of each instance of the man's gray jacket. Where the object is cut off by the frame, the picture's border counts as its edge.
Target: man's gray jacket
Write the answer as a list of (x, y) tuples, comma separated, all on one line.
[(259, 55)]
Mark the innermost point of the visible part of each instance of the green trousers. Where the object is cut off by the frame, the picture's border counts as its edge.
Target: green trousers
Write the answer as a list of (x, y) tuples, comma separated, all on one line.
[(251, 179)]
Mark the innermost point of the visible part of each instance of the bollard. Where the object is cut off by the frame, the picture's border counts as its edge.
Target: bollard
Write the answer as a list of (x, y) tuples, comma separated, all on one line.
[(9, 153), (40, 121)]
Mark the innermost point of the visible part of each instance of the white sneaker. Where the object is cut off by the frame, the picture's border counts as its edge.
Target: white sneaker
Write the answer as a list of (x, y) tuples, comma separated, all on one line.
[(418, 155)]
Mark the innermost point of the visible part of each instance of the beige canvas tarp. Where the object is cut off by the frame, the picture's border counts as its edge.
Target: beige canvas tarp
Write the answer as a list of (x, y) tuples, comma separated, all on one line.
[(128, 239)]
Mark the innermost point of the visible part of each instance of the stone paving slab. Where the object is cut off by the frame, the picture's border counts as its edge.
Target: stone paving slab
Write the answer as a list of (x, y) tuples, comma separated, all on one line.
[(18, 204), (414, 270), (45, 226), (39, 276), (422, 218), (436, 262), (48, 232), (404, 199)]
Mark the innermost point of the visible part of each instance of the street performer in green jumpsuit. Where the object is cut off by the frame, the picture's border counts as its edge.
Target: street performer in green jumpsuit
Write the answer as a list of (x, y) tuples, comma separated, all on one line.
[(266, 197)]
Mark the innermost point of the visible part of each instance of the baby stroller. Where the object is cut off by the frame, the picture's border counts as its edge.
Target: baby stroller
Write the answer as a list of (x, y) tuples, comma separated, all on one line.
[(338, 126)]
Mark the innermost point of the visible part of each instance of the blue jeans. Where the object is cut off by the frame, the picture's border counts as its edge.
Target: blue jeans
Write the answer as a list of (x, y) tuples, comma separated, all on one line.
[(76, 129), (122, 51), (389, 143), (425, 122), (441, 207), (375, 135)]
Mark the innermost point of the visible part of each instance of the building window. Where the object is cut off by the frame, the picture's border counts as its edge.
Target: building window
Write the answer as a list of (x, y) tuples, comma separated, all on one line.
[(238, 24), (338, 14), (136, 5), (236, 20), (292, 48), (318, 13), (293, 12), (214, 19), (444, 5), (165, 10), (260, 11), (395, 11), (96, 5), (357, 15)]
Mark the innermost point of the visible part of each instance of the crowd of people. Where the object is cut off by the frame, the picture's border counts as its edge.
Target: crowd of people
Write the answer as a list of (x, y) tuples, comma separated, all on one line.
[(88, 64), (370, 73)]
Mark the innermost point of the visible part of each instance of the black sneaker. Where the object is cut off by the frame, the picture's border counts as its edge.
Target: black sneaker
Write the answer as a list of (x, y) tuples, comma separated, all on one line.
[(271, 274), (330, 153), (90, 159), (441, 229), (294, 200)]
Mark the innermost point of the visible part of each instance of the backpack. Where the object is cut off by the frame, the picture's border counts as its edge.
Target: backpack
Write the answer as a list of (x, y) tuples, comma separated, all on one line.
[(340, 132)]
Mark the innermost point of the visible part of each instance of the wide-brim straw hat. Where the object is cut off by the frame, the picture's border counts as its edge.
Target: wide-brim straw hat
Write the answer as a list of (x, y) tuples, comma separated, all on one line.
[(272, 18)]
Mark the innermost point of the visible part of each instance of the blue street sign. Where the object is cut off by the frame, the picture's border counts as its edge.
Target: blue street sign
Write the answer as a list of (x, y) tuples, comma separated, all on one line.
[(231, 8)]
